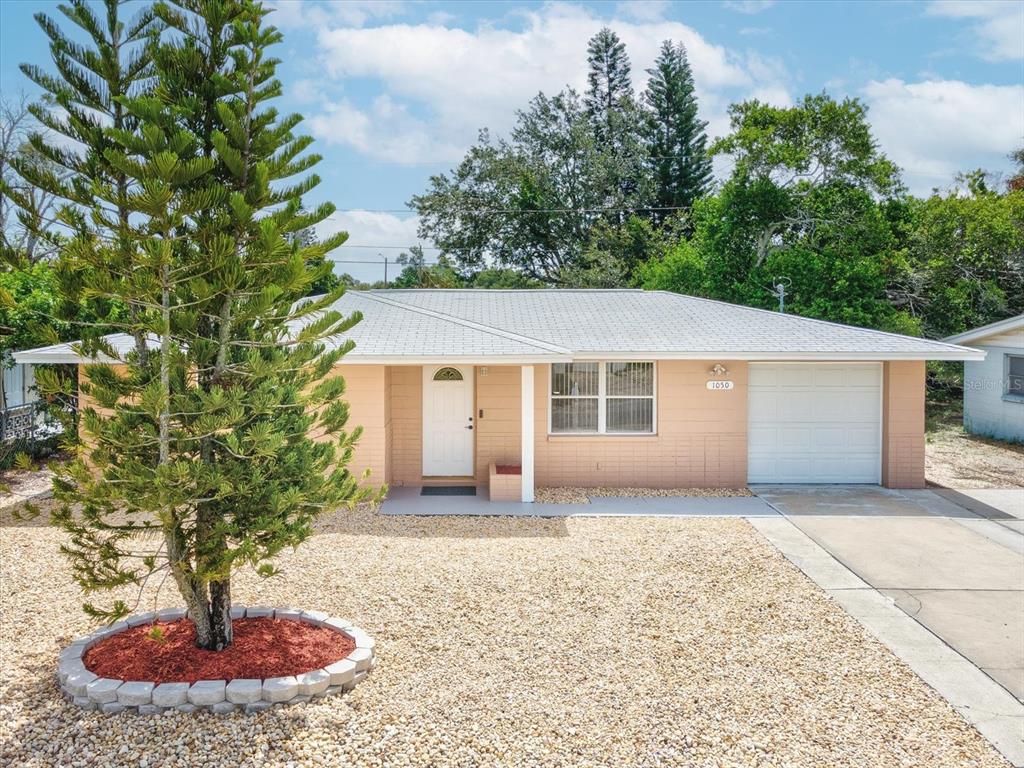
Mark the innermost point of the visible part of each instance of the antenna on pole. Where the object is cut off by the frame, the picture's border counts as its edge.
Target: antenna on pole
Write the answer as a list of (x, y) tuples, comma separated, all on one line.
[(779, 291)]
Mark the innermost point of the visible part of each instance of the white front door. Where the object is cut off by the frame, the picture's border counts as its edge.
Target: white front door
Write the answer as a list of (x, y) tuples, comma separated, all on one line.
[(448, 422), (814, 423)]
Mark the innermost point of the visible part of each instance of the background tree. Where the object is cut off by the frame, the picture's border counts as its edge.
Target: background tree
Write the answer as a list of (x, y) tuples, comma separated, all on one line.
[(802, 202), (609, 96), (20, 227), (964, 258), (417, 273), (224, 435), (83, 104), (677, 140), (529, 202)]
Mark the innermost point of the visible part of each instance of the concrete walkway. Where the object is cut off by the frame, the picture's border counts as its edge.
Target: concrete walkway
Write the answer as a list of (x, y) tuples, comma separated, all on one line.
[(407, 500), (937, 583)]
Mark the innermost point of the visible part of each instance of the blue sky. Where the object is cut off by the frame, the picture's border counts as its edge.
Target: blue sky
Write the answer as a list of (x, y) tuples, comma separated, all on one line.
[(395, 91)]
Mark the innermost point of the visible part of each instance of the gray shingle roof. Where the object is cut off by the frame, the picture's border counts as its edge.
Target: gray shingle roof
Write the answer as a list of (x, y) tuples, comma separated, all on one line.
[(543, 325), (594, 322)]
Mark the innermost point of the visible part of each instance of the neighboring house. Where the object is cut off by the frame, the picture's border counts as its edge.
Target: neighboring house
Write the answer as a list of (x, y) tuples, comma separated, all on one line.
[(623, 388), (994, 387), (18, 385)]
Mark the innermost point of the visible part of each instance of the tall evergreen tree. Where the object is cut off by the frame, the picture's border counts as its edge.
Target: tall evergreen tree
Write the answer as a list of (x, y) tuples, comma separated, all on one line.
[(609, 86), (84, 103), (677, 140), (222, 435)]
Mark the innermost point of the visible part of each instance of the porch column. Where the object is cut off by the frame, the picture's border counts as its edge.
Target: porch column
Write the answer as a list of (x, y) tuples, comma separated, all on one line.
[(527, 432)]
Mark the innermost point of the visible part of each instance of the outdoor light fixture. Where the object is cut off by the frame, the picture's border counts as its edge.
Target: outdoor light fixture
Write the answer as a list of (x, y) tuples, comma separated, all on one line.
[(719, 370)]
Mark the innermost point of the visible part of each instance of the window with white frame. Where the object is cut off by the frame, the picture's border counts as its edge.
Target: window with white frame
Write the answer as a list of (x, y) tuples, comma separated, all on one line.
[(602, 398), (1015, 376)]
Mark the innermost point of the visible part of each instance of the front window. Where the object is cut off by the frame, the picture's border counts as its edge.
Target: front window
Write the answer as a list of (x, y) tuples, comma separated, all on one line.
[(602, 398), (1015, 375)]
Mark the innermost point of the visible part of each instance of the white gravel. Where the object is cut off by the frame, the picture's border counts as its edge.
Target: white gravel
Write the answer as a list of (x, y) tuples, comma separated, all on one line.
[(579, 495), (515, 642)]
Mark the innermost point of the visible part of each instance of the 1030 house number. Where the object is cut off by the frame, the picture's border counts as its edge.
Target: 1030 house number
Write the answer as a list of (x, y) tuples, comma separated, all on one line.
[(719, 385)]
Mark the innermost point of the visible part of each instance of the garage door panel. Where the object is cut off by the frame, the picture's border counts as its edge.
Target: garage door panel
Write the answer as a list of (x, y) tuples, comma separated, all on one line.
[(766, 403), (830, 376), (795, 439), (814, 423), (863, 439), (845, 469), (793, 376), (761, 439), (761, 376)]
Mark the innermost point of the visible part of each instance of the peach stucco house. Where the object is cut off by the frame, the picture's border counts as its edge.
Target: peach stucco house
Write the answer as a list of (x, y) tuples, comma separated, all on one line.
[(624, 388)]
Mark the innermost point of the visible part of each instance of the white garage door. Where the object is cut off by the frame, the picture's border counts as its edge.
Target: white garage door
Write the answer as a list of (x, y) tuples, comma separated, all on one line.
[(814, 423)]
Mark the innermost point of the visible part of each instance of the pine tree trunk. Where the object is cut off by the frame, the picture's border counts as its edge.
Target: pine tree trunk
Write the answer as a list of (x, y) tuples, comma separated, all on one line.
[(221, 632)]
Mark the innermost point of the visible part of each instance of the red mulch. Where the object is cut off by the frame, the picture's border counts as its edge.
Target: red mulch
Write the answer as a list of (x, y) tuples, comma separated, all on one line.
[(508, 469), (262, 648)]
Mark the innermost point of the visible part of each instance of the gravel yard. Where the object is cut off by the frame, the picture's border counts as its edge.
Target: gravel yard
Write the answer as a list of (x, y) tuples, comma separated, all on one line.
[(515, 642), (574, 495), (956, 459)]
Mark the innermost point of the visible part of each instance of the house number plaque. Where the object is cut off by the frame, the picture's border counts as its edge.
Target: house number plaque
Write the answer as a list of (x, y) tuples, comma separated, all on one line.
[(719, 385)]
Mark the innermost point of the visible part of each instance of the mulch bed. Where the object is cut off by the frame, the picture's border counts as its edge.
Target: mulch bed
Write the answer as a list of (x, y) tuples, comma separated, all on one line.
[(262, 648)]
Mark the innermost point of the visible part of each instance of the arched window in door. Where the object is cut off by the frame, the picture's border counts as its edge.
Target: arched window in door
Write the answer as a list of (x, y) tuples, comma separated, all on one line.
[(448, 374)]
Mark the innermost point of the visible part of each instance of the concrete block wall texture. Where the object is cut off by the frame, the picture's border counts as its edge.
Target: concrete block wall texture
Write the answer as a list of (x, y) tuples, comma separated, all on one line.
[(365, 391), (406, 401), (903, 395), (701, 438), (499, 430), (503, 487), (987, 411)]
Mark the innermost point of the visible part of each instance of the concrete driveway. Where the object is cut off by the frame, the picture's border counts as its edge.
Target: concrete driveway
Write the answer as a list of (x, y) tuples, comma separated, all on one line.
[(958, 571)]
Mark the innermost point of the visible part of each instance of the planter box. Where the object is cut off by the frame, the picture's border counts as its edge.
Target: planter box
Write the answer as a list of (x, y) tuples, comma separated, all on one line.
[(506, 482)]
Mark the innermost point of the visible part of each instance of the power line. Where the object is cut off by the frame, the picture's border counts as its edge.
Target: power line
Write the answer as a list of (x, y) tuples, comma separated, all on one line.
[(488, 211), (386, 261), (394, 247)]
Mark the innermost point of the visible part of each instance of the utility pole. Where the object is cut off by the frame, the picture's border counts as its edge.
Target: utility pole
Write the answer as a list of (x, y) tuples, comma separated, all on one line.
[(779, 290), (385, 271)]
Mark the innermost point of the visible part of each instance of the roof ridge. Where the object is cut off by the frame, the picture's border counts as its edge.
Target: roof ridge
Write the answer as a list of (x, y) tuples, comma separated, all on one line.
[(831, 323), (545, 345)]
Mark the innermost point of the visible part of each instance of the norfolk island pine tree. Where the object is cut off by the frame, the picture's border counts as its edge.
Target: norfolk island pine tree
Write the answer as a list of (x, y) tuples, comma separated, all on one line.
[(220, 436)]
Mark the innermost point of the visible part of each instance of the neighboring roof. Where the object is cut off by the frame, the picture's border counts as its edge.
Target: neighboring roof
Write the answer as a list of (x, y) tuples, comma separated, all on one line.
[(1009, 325), (122, 343), (421, 325)]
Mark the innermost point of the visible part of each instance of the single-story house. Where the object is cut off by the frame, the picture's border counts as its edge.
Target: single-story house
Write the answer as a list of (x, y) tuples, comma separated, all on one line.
[(994, 386), (624, 388)]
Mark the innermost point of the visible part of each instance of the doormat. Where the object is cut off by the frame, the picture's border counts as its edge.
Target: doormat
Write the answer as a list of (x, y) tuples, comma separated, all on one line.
[(448, 490)]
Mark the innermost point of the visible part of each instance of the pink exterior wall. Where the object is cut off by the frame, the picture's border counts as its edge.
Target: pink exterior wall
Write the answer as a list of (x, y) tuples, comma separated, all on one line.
[(499, 432), (365, 386), (701, 440), (903, 395), (406, 402)]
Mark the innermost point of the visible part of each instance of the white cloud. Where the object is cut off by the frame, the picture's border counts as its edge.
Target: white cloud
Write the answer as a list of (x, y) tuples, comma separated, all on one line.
[(998, 25), (936, 128), (386, 130), (307, 14), (643, 10), (444, 83), (748, 7), (368, 234)]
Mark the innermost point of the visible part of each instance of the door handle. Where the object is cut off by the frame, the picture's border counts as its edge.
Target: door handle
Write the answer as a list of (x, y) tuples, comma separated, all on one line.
[(470, 426)]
